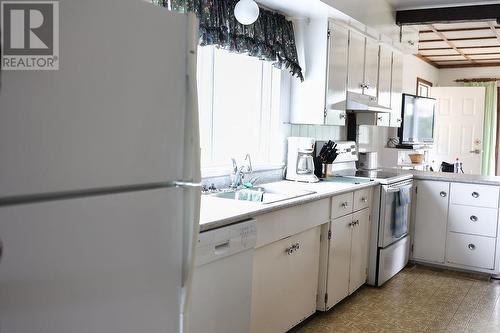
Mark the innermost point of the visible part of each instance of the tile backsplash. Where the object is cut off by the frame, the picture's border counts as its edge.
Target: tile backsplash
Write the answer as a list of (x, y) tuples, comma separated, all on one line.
[(319, 132)]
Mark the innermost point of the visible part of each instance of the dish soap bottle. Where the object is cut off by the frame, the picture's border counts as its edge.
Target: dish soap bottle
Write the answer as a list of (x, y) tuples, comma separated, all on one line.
[(456, 166)]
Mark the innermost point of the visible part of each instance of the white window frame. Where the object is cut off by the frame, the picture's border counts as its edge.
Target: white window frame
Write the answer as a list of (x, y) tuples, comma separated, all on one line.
[(271, 128)]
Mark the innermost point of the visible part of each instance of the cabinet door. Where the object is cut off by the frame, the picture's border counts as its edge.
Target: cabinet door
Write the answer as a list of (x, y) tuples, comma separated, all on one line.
[(384, 77), (396, 89), (339, 260), (337, 75), (356, 66), (430, 221), (359, 249), (285, 284), (383, 119), (371, 68)]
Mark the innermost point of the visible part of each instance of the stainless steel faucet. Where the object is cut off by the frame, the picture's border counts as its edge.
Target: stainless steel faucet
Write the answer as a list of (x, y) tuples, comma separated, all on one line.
[(238, 173)]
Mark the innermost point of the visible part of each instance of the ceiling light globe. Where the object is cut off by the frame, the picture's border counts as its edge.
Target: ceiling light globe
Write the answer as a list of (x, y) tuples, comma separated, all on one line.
[(246, 11)]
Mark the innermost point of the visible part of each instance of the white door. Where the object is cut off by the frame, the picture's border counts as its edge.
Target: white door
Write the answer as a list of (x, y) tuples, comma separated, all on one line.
[(91, 265), (339, 260), (359, 249), (459, 126), (112, 115), (431, 218)]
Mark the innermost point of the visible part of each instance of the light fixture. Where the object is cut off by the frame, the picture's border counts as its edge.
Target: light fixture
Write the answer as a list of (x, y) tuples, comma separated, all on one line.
[(246, 11)]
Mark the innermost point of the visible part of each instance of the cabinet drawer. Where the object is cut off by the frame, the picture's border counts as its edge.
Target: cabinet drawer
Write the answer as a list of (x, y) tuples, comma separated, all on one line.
[(473, 220), (470, 250), (291, 221), (362, 199), (342, 205), (474, 195)]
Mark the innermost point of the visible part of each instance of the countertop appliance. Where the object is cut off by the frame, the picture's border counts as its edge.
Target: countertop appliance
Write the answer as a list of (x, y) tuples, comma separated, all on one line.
[(389, 238), (300, 162), (367, 160), (99, 172), (222, 279)]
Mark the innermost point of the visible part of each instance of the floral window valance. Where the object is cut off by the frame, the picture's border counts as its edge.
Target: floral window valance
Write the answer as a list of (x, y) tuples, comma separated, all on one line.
[(270, 38)]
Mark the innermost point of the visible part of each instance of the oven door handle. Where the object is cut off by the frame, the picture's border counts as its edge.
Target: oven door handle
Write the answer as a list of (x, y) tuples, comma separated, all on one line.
[(395, 189)]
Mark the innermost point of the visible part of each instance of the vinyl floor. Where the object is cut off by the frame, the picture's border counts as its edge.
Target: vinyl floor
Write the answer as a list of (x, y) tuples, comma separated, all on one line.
[(418, 299)]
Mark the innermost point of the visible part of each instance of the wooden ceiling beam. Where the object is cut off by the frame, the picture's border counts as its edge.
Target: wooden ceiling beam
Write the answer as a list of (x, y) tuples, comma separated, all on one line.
[(453, 55), (484, 64), (457, 60), (448, 14), (457, 30), (494, 30), (441, 35), (421, 57), (459, 47), (456, 39)]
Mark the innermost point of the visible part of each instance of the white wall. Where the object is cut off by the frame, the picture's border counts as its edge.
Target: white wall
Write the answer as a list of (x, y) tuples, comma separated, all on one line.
[(414, 67), (447, 76)]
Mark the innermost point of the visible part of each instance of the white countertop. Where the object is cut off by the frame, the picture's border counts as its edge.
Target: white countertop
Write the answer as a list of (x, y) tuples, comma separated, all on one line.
[(455, 177), (218, 212)]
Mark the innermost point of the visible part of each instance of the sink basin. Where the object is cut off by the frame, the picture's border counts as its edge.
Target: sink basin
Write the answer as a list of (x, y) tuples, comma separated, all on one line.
[(269, 195)]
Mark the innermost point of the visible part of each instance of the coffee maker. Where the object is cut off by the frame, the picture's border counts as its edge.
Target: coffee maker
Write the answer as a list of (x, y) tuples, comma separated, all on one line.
[(300, 164)]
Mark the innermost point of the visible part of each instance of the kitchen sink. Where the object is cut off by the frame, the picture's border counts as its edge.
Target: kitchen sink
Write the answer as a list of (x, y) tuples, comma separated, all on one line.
[(270, 195)]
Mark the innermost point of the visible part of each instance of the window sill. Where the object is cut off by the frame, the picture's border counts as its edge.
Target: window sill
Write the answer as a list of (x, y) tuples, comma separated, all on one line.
[(221, 171)]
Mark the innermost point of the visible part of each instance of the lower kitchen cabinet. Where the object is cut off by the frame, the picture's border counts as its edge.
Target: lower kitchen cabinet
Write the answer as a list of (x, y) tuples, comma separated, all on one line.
[(431, 221), (359, 249), (285, 276), (456, 225), (346, 255)]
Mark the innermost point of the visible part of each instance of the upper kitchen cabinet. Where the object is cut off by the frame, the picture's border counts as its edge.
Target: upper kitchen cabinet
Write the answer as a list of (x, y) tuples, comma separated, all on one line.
[(363, 65), (385, 77), (396, 89), (307, 98), (338, 43)]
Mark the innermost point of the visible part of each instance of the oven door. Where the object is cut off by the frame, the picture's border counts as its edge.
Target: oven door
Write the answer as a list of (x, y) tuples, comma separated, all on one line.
[(395, 205)]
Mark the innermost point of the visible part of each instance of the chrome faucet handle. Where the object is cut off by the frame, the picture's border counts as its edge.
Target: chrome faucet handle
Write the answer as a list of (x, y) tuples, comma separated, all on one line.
[(249, 163), (235, 165)]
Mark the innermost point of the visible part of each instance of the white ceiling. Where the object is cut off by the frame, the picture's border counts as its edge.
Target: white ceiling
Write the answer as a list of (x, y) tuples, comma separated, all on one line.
[(411, 4)]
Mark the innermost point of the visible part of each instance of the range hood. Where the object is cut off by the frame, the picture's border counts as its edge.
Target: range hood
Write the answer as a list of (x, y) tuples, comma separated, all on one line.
[(363, 103)]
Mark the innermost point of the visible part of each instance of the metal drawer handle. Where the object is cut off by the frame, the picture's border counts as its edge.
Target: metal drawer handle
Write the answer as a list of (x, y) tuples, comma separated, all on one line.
[(473, 218), (471, 247), (291, 249), (443, 194), (342, 116), (363, 199), (344, 204), (475, 194)]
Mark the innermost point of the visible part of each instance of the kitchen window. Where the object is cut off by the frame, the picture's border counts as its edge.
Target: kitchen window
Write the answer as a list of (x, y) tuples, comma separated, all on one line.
[(239, 105)]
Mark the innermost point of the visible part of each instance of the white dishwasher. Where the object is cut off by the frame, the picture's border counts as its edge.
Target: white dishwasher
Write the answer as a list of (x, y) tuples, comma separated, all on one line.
[(222, 280)]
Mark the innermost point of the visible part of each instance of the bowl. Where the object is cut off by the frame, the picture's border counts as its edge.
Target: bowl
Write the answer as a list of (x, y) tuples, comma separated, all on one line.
[(416, 158)]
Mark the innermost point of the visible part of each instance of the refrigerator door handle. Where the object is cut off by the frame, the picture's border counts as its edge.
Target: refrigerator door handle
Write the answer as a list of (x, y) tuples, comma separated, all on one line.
[(185, 184)]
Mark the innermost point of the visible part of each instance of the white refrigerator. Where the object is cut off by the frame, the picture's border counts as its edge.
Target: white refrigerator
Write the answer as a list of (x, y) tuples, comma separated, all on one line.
[(99, 173)]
